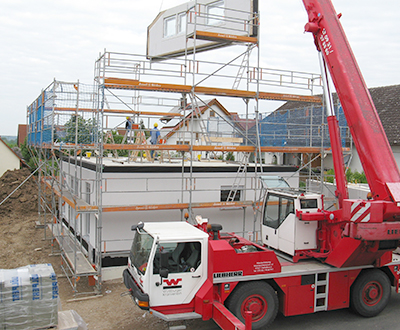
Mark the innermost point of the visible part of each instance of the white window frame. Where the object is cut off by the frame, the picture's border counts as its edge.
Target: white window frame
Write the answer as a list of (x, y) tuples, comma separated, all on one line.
[(179, 27), (219, 6), (168, 19), (181, 21)]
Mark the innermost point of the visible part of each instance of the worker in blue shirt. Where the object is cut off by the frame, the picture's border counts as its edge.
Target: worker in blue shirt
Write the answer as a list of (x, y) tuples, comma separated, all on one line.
[(154, 137), (128, 124)]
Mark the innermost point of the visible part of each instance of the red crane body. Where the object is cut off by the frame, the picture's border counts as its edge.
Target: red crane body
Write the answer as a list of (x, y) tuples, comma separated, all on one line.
[(360, 232), (369, 137)]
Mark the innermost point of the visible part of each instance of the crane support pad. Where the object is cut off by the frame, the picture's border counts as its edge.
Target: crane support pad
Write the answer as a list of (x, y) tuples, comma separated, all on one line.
[(225, 319)]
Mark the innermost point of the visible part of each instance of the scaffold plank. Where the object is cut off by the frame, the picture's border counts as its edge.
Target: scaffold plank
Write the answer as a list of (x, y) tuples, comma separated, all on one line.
[(215, 36), (224, 92), (220, 139), (76, 203), (118, 83), (76, 259), (187, 148), (123, 111), (79, 263), (289, 97), (175, 206)]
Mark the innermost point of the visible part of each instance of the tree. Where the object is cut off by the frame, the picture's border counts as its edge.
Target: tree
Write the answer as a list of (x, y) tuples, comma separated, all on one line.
[(27, 154), (351, 177), (79, 130), (230, 156), (10, 142)]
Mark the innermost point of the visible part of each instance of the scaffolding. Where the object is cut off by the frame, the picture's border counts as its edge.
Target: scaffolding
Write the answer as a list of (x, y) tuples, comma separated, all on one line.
[(60, 125), (78, 132)]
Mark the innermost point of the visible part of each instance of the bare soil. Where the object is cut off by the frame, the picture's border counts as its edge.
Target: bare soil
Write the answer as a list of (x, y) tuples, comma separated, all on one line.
[(22, 243)]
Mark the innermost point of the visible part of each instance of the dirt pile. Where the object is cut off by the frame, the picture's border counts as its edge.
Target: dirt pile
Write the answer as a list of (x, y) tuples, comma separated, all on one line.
[(25, 198)]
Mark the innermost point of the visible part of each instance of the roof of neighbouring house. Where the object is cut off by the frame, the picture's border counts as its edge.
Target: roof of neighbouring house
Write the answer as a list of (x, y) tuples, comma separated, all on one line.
[(242, 122), (208, 104), (387, 103)]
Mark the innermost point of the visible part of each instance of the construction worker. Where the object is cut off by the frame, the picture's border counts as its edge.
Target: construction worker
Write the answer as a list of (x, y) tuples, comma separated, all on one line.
[(154, 137), (129, 122)]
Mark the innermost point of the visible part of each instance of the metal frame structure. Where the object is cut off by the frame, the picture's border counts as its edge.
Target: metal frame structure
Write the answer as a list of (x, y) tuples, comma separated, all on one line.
[(56, 119)]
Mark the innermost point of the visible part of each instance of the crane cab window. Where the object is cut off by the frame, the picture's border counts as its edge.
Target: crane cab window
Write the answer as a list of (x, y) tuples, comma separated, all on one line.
[(308, 204), (277, 209), (182, 257)]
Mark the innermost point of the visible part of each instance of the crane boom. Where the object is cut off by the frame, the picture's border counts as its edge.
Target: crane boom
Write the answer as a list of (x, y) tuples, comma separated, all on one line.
[(365, 126)]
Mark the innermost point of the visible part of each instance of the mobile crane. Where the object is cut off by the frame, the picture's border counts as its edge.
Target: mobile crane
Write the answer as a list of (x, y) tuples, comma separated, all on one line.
[(337, 259)]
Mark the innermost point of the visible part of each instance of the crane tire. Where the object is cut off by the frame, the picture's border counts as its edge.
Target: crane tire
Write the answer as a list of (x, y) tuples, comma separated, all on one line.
[(370, 293), (257, 296)]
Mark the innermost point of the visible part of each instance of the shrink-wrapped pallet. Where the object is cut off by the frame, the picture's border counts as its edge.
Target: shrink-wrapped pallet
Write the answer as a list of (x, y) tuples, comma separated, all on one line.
[(28, 297)]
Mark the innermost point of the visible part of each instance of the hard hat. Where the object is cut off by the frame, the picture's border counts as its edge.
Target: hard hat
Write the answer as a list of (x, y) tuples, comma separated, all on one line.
[(155, 125), (127, 117)]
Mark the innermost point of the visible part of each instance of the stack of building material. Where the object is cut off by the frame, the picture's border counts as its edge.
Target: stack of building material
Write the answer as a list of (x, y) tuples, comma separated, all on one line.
[(28, 297)]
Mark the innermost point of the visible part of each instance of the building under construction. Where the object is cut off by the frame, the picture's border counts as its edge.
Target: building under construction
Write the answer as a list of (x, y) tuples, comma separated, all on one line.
[(212, 159)]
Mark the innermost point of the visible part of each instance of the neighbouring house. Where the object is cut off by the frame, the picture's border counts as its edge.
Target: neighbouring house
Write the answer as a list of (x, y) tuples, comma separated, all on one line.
[(22, 133), (304, 124), (212, 124), (9, 159)]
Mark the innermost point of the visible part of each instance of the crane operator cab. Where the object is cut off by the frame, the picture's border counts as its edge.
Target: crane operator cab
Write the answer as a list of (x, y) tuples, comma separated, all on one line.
[(281, 229)]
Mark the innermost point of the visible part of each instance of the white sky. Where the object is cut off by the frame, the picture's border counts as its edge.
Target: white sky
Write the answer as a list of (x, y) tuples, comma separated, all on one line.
[(46, 39)]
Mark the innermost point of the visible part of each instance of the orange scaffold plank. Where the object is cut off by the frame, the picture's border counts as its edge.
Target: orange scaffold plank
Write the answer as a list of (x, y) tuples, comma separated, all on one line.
[(214, 36), (176, 206), (300, 150), (117, 83), (180, 147), (122, 111)]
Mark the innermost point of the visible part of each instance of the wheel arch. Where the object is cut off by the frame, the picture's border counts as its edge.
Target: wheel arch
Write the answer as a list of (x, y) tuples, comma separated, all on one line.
[(271, 282), (385, 270), (389, 274), (259, 296)]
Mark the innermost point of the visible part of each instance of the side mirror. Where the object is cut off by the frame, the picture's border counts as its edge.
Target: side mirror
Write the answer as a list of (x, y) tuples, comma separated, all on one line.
[(164, 273), (140, 225), (164, 256)]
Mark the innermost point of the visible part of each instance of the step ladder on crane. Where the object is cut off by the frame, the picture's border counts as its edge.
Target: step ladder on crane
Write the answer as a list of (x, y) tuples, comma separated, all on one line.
[(321, 292)]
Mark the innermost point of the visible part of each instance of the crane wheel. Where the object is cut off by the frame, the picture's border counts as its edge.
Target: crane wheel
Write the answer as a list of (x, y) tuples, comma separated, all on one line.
[(370, 294), (258, 297)]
